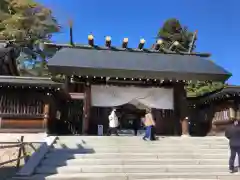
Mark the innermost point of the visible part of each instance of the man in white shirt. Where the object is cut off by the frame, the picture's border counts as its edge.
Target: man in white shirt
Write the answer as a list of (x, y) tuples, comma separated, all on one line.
[(113, 123)]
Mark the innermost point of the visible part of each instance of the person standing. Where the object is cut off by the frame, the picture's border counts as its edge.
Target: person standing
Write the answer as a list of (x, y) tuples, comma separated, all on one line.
[(135, 126), (149, 124), (113, 123), (233, 134)]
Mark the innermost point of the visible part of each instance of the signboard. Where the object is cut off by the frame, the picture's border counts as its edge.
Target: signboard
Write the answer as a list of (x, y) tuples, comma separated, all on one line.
[(77, 95), (100, 130)]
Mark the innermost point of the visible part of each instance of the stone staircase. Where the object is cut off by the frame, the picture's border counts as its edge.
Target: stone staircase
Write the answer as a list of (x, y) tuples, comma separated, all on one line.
[(131, 158)]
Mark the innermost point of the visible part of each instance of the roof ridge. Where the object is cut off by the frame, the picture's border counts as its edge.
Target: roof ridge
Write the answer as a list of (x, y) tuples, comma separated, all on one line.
[(114, 48)]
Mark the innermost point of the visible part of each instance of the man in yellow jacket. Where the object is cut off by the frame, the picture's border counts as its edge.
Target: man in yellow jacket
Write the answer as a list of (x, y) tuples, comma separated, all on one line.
[(149, 124)]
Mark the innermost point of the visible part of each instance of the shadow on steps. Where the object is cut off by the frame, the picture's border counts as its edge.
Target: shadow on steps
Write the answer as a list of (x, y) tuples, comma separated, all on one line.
[(60, 154), (7, 172)]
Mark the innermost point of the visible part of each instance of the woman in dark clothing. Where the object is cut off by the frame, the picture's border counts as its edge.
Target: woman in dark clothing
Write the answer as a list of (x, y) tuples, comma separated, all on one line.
[(135, 126), (233, 134), (153, 137)]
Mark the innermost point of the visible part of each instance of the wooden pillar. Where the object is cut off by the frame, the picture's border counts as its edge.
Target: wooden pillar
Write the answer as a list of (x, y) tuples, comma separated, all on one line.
[(180, 109), (67, 83), (210, 118), (87, 109), (46, 109), (213, 130), (185, 127)]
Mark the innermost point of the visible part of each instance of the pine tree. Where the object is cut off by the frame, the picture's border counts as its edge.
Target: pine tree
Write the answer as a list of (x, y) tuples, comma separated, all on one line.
[(29, 23), (172, 31)]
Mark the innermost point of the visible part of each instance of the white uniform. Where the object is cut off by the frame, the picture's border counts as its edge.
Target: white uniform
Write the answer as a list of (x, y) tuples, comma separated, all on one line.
[(113, 120)]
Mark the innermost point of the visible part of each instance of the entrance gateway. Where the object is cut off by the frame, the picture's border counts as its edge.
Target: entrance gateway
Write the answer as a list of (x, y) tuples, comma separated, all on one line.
[(98, 78), (131, 103), (118, 76)]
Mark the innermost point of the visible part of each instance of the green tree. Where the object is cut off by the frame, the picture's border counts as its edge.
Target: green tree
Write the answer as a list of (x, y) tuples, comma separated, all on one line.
[(173, 31), (29, 23)]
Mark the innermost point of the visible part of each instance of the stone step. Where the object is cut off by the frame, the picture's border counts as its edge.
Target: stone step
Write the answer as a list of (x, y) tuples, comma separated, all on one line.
[(137, 140), (206, 138), (144, 146), (173, 179), (69, 155), (129, 161), (141, 142), (149, 150), (131, 158), (136, 145), (130, 169), (134, 176), (65, 156)]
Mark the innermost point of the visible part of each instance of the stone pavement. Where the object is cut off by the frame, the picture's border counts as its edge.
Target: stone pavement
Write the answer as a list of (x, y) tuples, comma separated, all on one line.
[(28, 137), (10, 169)]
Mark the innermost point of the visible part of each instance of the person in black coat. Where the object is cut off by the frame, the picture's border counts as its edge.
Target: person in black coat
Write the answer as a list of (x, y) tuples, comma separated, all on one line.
[(233, 134)]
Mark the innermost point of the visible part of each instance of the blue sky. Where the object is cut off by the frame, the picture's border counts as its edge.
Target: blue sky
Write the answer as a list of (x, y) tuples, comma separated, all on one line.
[(217, 22)]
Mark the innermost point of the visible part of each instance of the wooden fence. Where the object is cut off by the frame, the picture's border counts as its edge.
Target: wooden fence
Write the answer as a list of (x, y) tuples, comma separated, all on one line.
[(20, 146)]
